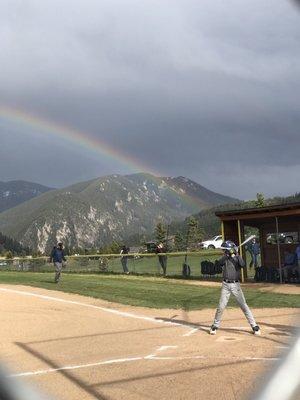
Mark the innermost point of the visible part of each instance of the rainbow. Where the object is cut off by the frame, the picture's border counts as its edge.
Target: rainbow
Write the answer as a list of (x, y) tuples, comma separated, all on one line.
[(81, 139), (44, 127)]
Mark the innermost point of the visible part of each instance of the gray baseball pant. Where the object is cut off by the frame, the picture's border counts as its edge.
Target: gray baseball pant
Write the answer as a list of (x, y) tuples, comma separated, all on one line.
[(58, 268), (235, 289), (124, 261)]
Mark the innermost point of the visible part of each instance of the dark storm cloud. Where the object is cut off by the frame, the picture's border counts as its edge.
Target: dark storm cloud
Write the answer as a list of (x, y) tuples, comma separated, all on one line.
[(203, 89)]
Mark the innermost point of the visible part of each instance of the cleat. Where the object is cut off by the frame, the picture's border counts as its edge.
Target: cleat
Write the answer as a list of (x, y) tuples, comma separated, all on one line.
[(256, 330), (213, 330)]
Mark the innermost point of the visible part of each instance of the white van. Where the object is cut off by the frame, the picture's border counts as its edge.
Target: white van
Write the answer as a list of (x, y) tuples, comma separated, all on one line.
[(214, 243)]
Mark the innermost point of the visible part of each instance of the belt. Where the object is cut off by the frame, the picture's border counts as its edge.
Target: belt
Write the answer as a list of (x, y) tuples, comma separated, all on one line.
[(228, 281)]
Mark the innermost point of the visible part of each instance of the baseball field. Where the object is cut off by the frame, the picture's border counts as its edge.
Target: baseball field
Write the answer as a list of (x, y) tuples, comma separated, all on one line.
[(128, 337)]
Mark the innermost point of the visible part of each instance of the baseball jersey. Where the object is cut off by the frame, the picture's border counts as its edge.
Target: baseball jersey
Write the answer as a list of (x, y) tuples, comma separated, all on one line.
[(231, 267)]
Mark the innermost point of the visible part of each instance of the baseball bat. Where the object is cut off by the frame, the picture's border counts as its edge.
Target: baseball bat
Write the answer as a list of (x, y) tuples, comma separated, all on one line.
[(247, 240)]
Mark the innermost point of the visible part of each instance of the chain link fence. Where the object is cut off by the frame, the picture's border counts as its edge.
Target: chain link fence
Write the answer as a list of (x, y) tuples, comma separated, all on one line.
[(144, 264)]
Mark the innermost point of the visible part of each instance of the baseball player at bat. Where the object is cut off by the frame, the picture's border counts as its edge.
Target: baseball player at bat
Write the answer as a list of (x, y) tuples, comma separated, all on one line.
[(231, 264)]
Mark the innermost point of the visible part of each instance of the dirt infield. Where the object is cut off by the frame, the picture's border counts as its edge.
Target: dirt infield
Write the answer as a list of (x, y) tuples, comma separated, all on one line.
[(75, 347), (262, 286)]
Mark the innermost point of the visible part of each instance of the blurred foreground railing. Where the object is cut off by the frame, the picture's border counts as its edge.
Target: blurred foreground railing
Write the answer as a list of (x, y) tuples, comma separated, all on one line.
[(137, 263)]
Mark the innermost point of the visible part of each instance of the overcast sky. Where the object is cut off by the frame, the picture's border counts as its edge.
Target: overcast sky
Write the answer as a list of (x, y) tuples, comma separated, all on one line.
[(205, 89)]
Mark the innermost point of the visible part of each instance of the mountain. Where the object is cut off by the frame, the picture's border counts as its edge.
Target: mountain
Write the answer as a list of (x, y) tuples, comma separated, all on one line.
[(94, 213), (13, 193)]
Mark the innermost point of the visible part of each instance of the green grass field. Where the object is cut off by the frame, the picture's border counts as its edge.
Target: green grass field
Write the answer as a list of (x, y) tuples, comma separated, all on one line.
[(144, 291)]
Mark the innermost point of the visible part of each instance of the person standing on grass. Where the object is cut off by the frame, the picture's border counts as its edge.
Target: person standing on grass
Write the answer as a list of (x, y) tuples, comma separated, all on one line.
[(231, 264), (249, 248), (162, 258), (255, 251), (58, 258), (124, 258), (290, 265)]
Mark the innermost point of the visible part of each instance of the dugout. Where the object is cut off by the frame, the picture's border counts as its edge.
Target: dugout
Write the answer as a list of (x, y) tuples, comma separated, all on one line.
[(278, 226)]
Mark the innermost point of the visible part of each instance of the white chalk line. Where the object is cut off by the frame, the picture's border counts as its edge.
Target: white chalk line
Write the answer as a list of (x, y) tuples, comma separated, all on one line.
[(194, 330), (158, 350), (163, 348), (151, 357), (107, 362), (108, 310), (72, 367)]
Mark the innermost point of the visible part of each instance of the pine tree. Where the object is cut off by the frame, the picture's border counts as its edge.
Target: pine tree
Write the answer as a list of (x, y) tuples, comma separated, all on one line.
[(115, 248), (9, 254), (179, 241), (195, 234), (160, 233), (260, 200)]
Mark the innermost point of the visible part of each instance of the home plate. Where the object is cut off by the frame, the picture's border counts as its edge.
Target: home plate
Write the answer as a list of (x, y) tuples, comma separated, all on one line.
[(227, 339)]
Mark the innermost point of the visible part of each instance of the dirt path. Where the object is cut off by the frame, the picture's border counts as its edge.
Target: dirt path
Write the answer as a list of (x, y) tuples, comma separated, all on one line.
[(75, 347), (264, 287)]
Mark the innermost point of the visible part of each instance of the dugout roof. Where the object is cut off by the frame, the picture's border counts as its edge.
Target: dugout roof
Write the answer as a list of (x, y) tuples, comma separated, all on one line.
[(278, 228)]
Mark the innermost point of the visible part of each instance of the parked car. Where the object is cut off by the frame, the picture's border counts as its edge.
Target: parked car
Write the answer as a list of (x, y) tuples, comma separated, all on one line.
[(283, 238), (151, 247), (214, 243)]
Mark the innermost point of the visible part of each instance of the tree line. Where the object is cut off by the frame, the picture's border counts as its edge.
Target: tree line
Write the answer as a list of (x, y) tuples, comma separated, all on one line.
[(187, 238), (10, 247)]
